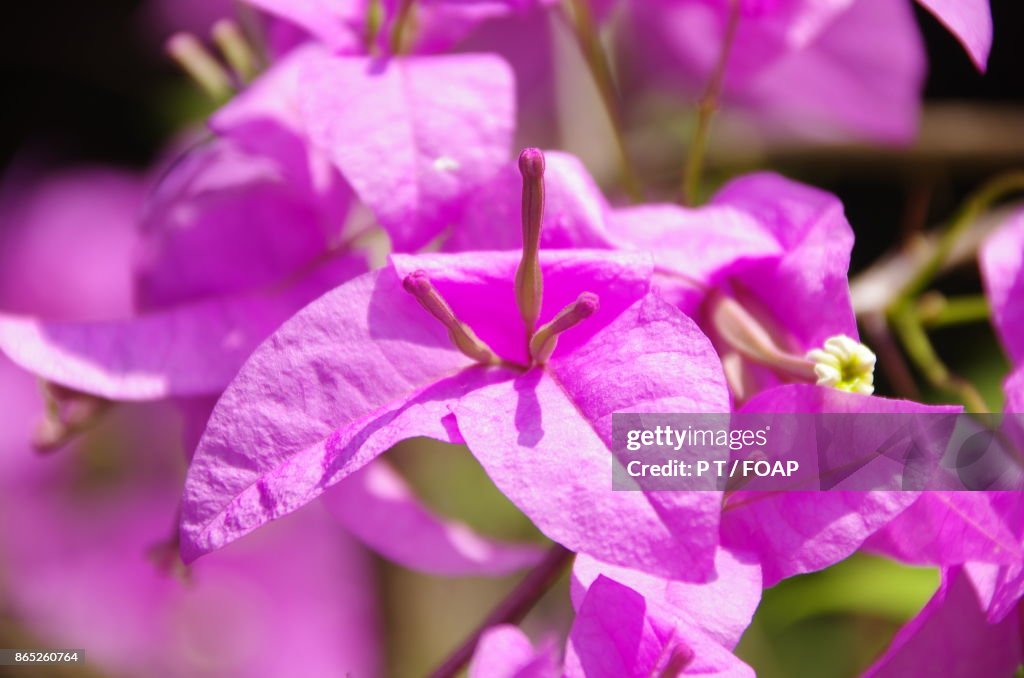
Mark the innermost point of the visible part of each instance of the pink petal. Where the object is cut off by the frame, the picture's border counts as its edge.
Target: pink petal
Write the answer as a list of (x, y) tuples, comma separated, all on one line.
[(692, 247), (845, 87), (800, 66), (66, 242), (480, 287), (651, 358), (243, 613), (188, 350), (805, 288), (226, 220), (721, 608), (970, 21), (951, 638), (952, 528), (616, 636), (351, 374), (574, 212), (415, 137), (796, 532), (377, 506), (1000, 588), (265, 120), (505, 652), (1002, 267), (339, 24)]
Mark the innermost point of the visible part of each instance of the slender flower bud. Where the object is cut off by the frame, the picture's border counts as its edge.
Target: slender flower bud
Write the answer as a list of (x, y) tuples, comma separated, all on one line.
[(187, 50), (235, 48), (418, 284), (738, 328), (529, 283), (543, 343), (845, 364)]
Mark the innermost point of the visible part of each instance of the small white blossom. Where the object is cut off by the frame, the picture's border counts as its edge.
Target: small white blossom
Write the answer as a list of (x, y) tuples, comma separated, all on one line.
[(845, 364)]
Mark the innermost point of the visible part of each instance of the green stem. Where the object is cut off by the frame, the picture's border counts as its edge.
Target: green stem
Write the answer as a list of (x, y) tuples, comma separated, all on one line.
[(706, 110), (600, 70), (513, 608), (936, 310), (906, 321), (975, 205)]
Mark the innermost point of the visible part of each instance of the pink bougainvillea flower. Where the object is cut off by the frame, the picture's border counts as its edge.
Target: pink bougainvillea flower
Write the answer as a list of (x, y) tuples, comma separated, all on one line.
[(633, 624), (434, 346), (66, 253), (951, 637), (803, 63)]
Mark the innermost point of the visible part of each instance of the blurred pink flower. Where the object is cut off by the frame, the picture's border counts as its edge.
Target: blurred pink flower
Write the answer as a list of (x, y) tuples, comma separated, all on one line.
[(75, 528), (804, 64)]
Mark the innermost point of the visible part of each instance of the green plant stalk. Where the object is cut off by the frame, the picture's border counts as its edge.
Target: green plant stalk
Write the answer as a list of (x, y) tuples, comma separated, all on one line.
[(990, 193), (694, 167), (600, 70), (937, 311), (906, 322), (513, 608)]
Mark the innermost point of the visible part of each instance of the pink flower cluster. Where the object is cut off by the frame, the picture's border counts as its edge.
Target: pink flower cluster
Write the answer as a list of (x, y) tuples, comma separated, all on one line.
[(243, 300)]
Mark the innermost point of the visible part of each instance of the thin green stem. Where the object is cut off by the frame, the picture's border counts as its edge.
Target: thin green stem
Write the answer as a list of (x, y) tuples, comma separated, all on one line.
[(937, 310), (512, 608), (907, 323), (975, 205), (600, 70), (706, 108)]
